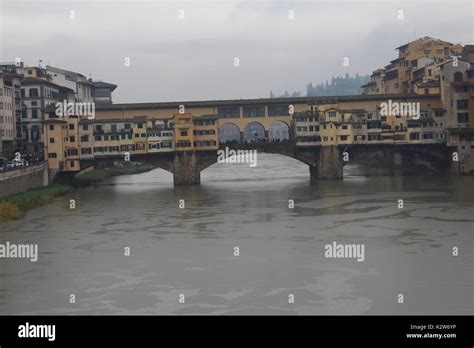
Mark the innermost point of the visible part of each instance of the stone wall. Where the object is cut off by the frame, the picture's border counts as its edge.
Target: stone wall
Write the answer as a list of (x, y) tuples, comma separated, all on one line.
[(23, 179)]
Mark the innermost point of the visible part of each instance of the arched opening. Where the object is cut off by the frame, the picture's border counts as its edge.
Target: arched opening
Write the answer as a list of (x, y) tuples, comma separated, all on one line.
[(266, 170), (254, 132), (279, 131), (229, 133)]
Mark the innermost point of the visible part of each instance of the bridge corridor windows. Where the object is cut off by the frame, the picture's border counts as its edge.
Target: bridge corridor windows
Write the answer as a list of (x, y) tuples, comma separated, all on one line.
[(278, 110), (254, 111), (279, 131), (254, 132), (228, 112), (229, 133)]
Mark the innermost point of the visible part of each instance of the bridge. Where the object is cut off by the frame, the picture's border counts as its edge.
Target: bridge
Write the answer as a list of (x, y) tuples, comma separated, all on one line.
[(324, 162)]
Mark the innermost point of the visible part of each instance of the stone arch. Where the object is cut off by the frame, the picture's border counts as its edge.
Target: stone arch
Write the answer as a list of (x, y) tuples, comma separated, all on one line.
[(279, 131), (229, 132), (254, 131)]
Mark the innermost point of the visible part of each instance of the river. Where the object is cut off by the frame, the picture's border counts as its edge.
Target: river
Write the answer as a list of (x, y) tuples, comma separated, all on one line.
[(281, 251)]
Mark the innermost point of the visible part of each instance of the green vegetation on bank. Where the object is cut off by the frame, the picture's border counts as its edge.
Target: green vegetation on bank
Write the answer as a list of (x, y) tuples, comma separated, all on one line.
[(97, 175), (14, 206)]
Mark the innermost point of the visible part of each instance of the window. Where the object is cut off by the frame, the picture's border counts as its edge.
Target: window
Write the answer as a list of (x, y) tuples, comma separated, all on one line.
[(97, 138), (85, 138), (34, 103), (427, 91), (463, 117), (343, 137), (51, 127), (458, 76), (278, 110), (106, 137), (86, 151), (332, 113), (85, 127), (139, 125), (52, 155), (72, 152), (462, 104), (127, 125), (254, 111), (33, 92), (34, 113), (51, 140), (72, 139), (228, 112), (71, 126), (113, 127), (184, 133)]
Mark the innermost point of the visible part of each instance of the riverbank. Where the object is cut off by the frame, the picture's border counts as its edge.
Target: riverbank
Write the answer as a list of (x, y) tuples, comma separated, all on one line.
[(15, 206)]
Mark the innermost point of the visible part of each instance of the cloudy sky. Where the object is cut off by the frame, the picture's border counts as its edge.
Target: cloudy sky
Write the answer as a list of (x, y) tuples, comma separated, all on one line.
[(192, 58)]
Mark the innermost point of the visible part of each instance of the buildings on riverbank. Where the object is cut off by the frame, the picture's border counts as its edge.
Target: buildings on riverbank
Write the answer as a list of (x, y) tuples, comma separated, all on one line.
[(35, 90), (415, 70), (423, 96)]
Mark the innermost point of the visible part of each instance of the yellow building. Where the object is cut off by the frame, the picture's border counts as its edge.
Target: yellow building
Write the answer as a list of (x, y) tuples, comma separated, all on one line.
[(330, 119), (183, 132), (205, 132), (54, 135), (139, 127), (426, 88), (416, 59)]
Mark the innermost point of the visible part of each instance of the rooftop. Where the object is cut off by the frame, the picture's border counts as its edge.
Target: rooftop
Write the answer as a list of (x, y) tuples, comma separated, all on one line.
[(270, 101)]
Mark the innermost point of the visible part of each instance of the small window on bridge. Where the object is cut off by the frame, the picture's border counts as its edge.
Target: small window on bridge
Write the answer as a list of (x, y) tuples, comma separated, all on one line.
[(278, 110)]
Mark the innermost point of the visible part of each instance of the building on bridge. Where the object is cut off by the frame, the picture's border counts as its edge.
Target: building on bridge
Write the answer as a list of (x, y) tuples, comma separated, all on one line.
[(150, 129)]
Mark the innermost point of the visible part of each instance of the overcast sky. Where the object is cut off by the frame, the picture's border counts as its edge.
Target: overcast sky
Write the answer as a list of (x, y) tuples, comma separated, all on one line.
[(193, 58)]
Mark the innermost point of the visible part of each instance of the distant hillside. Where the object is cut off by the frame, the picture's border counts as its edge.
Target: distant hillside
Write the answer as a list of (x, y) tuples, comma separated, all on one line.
[(340, 85)]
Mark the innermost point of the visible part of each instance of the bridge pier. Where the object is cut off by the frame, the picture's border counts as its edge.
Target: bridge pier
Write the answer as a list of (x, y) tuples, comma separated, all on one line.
[(313, 173), (185, 169), (329, 163)]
